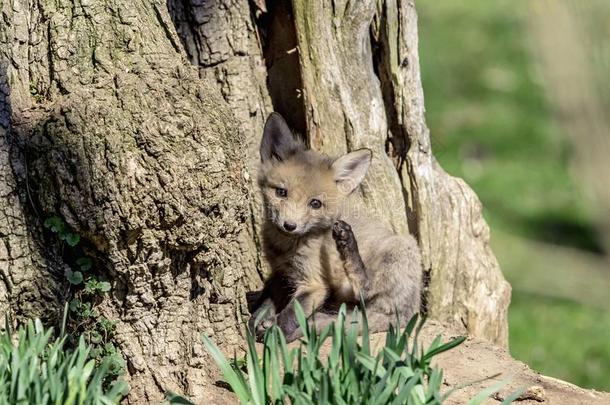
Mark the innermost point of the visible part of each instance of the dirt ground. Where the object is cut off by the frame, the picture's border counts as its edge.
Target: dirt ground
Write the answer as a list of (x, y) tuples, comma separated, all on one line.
[(477, 360)]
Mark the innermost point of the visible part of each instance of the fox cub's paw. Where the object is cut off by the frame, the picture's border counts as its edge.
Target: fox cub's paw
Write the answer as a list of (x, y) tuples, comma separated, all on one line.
[(343, 235), (259, 329), (262, 327)]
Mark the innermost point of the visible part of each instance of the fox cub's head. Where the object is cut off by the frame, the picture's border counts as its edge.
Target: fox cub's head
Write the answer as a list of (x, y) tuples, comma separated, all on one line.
[(304, 190)]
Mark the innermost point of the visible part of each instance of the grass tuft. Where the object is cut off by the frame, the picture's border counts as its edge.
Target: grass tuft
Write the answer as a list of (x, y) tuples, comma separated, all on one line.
[(38, 370), (401, 373)]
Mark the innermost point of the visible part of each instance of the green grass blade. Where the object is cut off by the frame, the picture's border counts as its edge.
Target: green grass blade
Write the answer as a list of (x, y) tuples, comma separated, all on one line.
[(256, 378), (434, 384), (301, 319), (443, 348), (273, 346), (411, 324), (259, 317), (229, 374), (175, 399), (487, 392), (406, 389), (366, 341), (513, 397)]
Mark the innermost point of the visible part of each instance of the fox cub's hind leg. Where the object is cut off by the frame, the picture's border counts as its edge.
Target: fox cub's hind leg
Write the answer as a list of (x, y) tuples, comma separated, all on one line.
[(352, 262)]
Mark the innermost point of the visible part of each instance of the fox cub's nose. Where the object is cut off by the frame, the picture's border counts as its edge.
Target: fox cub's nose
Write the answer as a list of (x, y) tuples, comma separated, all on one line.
[(290, 226)]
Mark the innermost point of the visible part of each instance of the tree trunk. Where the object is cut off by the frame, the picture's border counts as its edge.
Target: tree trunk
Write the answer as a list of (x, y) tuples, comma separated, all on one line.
[(107, 124), (144, 161)]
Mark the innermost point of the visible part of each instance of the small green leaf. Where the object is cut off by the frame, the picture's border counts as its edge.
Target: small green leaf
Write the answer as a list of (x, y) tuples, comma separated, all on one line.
[(95, 337), (55, 223), (74, 277), (104, 286), (74, 305), (72, 238), (95, 352), (91, 286), (84, 263)]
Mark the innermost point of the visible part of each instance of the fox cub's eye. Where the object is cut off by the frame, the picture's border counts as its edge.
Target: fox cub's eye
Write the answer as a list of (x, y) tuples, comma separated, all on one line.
[(281, 192), (315, 204)]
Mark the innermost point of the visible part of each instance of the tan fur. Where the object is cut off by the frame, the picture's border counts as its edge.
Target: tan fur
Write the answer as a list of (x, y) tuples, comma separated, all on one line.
[(306, 263)]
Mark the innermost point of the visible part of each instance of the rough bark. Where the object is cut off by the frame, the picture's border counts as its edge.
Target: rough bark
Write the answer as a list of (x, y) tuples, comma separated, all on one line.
[(33, 289), (144, 161), (249, 56), (153, 161), (220, 38)]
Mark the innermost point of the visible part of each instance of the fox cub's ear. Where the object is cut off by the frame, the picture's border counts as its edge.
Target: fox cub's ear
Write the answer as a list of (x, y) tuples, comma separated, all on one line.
[(350, 169), (278, 140)]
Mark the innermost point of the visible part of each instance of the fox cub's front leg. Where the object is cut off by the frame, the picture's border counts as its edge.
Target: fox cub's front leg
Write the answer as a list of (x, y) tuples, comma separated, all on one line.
[(311, 299), (265, 314), (273, 298), (353, 265)]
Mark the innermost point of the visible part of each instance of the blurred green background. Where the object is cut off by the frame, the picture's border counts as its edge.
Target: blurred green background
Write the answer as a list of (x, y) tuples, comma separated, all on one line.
[(492, 123)]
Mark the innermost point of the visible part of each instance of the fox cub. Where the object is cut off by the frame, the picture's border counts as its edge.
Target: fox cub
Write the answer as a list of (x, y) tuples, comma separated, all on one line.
[(323, 252)]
